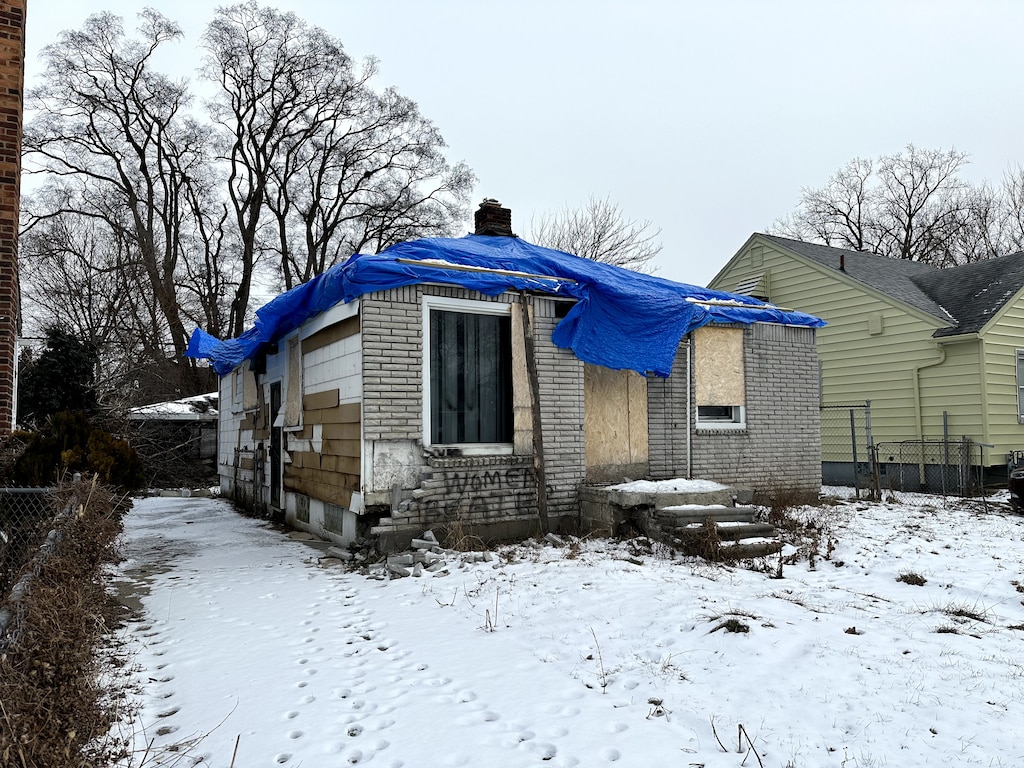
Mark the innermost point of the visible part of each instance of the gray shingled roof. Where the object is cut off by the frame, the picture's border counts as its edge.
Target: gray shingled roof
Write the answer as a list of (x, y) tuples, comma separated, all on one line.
[(964, 297), (975, 292)]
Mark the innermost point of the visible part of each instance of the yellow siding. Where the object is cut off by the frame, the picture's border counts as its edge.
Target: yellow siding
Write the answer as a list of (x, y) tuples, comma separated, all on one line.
[(1003, 337), (857, 364), (954, 388)]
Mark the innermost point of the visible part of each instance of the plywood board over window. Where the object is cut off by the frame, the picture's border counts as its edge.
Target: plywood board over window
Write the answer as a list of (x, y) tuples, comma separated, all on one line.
[(718, 366), (293, 394), (522, 398), (615, 424), (249, 395)]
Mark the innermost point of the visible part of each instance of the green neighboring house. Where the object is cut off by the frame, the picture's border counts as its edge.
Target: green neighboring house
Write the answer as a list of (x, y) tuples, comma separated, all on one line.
[(934, 350)]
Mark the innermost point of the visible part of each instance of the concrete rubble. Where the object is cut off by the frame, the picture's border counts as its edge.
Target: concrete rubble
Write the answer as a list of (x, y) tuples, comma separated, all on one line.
[(425, 556)]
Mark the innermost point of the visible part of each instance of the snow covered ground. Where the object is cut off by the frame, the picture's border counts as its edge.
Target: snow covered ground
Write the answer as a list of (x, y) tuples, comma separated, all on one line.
[(603, 653)]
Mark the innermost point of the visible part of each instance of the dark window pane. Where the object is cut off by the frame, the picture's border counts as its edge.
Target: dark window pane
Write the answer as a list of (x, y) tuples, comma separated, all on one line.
[(716, 413), (470, 378)]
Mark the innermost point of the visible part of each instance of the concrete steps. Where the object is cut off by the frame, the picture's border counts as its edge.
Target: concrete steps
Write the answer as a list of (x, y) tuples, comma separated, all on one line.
[(736, 534), (681, 519), (746, 531)]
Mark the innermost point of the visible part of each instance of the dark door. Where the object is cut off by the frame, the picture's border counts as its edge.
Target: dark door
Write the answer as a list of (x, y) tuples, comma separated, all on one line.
[(276, 434)]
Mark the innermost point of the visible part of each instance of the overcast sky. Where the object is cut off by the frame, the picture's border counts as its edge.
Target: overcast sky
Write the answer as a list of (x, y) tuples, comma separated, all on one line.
[(705, 117)]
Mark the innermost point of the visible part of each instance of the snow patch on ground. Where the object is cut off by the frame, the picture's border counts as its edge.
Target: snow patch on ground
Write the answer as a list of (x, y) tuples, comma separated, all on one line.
[(595, 653)]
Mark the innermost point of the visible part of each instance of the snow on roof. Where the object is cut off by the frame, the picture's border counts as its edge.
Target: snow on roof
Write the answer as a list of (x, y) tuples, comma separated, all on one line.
[(621, 319), (195, 408)]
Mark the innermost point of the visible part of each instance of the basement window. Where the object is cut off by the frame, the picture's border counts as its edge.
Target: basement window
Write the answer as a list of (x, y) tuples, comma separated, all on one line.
[(714, 415), (468, 374)]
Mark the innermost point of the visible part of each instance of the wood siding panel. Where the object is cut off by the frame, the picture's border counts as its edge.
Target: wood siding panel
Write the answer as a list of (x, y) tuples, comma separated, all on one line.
[(317, 400), (350, 413), (340, 330), (615, 423), (333, 473), (342, 431), (348, 448)]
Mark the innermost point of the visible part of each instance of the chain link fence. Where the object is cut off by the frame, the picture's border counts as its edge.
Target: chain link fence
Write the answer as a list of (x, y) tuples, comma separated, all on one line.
[(26, 515), (940, 467), (846, 445), (850, 457)]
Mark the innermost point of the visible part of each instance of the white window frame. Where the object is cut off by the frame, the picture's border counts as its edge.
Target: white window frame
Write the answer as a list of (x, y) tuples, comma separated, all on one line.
[(1019, 359), (738, 420), (471, 306)]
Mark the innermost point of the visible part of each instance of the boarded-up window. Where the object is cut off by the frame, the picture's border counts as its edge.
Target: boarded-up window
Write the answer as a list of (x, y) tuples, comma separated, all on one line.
[(719, 374), (249, 402), (293, 395)]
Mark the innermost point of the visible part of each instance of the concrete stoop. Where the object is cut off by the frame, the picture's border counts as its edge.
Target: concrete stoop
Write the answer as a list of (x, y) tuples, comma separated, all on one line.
[(679, 519)]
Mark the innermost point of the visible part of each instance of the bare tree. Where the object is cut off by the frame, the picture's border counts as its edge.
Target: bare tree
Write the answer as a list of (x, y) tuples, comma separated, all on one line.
[(599, 231), (114, 140), (909, 205), (150, 220), (840, 213), (320, 165), (922, 203)]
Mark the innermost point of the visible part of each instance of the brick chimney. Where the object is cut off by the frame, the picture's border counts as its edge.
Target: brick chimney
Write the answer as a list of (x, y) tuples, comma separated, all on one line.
[(492, 219), (12, 80)]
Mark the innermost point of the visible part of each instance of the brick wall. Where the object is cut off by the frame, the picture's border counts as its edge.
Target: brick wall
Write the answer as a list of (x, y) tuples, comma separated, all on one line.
[(12, 75), (392, 364), (494, 495), (780, 447), (561, 398), (666, 420)]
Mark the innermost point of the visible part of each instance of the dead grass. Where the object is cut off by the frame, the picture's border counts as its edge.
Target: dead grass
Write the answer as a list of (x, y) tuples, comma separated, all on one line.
[(458, 537), (914, 579), (733, 625), (702, 542), (54, 708), (781, 500), (798, 524)]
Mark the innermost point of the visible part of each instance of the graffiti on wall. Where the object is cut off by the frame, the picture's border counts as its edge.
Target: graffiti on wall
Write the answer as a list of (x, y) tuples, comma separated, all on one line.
[(483, 493)]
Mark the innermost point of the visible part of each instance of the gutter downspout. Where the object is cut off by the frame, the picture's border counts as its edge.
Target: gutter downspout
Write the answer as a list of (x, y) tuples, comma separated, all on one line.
[(689, 408), (918, 415)]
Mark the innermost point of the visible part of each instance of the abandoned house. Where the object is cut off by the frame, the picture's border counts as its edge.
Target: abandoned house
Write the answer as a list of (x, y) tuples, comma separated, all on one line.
[(447, 381)]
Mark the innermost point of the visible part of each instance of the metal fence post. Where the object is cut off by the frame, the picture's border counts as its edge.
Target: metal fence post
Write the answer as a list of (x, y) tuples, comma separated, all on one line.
[(853, 446)]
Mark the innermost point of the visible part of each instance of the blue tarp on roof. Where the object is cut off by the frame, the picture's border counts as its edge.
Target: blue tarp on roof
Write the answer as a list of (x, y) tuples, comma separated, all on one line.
[(621, 319)]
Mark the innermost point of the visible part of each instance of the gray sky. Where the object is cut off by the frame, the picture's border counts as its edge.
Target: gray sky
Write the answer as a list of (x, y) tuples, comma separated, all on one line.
[(705, 117)]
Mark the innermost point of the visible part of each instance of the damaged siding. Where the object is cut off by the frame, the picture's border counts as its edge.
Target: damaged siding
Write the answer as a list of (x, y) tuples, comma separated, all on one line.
[(325, 460), (417, 488)]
